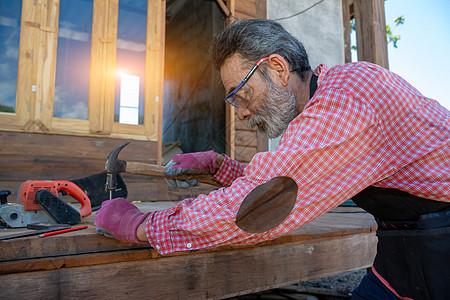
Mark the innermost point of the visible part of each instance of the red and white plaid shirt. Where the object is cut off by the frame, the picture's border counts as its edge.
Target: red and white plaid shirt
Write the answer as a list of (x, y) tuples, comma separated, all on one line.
[(364, 126)]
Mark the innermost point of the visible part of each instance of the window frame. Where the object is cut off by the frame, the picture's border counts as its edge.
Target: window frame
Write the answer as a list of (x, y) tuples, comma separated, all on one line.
[(37, 66)]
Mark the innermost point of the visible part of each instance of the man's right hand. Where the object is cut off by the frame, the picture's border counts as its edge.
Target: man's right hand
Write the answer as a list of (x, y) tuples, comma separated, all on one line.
[(190, 164)]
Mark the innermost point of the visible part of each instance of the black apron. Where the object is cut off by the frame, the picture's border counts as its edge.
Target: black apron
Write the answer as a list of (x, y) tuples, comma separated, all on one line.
[(413, 250)]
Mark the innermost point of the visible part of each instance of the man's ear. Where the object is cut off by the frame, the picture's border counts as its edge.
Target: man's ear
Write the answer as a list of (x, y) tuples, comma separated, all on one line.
[(279, 65)]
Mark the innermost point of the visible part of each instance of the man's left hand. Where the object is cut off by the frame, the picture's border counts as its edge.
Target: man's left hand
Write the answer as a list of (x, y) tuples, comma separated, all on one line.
[(120, 219)]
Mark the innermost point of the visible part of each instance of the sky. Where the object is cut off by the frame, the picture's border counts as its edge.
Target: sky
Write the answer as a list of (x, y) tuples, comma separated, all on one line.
[(423, 53)]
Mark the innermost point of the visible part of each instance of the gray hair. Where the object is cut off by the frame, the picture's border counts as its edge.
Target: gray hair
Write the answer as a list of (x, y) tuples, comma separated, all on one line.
[(257, 38)]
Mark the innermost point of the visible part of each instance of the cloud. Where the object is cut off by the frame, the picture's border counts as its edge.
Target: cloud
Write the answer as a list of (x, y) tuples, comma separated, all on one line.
[(128, 45), (65, 107), (73, 35), (9, 22)]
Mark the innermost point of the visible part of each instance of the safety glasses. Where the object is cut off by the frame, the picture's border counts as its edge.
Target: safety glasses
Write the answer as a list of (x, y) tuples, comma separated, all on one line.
[(234, 99)]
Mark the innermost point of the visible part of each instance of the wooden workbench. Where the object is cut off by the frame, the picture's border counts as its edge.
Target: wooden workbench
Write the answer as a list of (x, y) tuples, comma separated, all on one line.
[(85, 264)]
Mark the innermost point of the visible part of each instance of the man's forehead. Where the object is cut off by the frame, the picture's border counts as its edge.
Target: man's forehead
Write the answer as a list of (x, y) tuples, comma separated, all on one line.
[(234, 62), (233, 71)]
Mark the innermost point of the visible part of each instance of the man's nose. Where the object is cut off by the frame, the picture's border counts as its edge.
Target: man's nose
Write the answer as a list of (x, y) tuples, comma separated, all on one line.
[(243, 113)]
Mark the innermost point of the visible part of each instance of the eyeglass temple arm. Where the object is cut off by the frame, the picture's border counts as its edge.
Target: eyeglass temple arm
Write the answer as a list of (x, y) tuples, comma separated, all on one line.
[(254, 68)]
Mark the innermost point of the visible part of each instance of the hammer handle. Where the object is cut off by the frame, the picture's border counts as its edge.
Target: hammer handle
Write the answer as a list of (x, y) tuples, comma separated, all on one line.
[(159, 171)]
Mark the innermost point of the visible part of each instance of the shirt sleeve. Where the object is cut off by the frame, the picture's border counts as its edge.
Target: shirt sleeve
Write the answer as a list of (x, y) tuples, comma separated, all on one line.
[(330, 150), (229, 171)]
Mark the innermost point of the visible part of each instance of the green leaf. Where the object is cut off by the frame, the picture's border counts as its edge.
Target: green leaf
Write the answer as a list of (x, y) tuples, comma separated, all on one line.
[(399, 20)]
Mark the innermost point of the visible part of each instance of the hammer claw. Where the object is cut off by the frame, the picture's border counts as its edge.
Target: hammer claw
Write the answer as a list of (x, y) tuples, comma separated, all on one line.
[(113, 166)]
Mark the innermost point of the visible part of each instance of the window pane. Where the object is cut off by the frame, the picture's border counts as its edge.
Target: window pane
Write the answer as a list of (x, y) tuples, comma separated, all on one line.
[(10, 12), (130, 64), (73, 59)]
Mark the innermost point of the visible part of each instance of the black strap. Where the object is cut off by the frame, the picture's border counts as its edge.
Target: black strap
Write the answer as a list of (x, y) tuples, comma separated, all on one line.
[(313, 85)]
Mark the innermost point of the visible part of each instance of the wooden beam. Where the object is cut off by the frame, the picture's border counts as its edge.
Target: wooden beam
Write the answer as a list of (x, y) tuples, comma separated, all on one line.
[(371, 31), (261, 139), (347, 30), (85, 263), (261, 9), (202, 275), (230, 112), (103, 64), (156, 32), (224, 8)]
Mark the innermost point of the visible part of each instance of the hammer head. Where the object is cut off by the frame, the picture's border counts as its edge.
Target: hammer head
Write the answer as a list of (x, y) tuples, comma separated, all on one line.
[(113, 166)]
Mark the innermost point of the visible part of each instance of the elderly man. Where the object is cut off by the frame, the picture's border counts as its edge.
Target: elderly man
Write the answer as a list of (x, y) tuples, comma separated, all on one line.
[(355, 131)]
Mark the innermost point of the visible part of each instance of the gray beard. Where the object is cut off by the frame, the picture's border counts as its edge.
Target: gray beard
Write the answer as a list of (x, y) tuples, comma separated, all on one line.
[(275, 113)]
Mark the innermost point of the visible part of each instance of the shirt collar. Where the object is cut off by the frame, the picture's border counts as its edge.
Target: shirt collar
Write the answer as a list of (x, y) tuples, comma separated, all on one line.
[(320, 72)]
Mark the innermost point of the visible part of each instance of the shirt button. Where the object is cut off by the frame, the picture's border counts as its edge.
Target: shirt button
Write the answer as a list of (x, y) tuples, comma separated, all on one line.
[(189, 245), (157, 247)]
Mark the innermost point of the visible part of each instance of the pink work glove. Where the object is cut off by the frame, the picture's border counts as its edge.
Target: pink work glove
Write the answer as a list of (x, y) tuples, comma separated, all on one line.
[(120, 219), (191, 163)]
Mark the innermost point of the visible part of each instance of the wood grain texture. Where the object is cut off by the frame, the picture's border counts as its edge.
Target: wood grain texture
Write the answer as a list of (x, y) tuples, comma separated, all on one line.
[(370, 25), (247, 7), (245, 154), (200, 275), (246, 138), (85, 264), (46, 67), (14, 143), (347, 30), (159, 171), (87, 241)]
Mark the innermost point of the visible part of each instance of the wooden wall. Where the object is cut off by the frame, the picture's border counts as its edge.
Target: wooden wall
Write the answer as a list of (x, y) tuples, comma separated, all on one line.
[(370, 27)]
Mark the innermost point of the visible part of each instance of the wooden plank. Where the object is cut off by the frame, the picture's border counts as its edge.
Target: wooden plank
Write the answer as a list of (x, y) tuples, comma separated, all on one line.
[(241, 15), (43, 145), (261, 9), (143, 188), (161, 90), (230, 111), (347, 30), (262, 142), (84, 241), (370, 26), (96, 75), (380, 41), (244, 154), (33, 265), (90, 259), (246, 138), (109, 66), (231, 5), (242, 125), (247, 7), (201, 275), (73, 126), (103, 53), (21, 168), (46, 68), (87, 241), (155, 65)]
